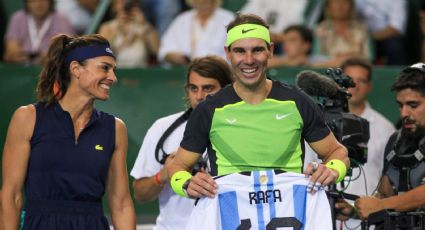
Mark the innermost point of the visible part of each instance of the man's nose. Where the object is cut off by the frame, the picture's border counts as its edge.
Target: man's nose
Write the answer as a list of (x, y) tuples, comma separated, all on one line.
[(249, 58), (200, 95), (404, 111)]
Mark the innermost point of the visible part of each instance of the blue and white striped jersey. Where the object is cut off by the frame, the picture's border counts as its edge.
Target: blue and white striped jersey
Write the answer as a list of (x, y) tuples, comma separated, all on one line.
[(262, 200)]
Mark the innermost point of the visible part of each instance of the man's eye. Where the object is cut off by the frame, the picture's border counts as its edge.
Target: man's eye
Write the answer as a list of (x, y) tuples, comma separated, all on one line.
[(208, 89), (258, 50)]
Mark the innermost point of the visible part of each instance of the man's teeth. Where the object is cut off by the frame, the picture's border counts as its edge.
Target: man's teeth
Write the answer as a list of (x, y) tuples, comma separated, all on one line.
[(248, 70)]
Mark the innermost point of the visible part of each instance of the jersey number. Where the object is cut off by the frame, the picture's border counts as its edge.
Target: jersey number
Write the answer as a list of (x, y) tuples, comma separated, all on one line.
[(277, 222)]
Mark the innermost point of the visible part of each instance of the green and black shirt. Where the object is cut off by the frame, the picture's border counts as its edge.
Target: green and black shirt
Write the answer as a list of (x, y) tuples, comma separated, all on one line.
[(245, 137)]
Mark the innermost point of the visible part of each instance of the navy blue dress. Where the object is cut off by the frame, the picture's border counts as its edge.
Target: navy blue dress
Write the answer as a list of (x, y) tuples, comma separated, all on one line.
[(66, 179)]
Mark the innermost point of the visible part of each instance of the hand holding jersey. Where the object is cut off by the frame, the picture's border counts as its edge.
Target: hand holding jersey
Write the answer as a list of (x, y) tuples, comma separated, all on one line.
[(200, 185)]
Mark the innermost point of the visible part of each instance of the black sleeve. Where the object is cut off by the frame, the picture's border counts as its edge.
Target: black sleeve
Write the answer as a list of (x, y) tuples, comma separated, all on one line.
[(315, 128), (196, 135)]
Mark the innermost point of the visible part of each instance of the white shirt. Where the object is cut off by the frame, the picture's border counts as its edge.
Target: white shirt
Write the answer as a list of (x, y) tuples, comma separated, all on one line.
[(262, 199), (379, 14), (186, 36), (380, 131), (79, 17), (279, 14), (174, 210)]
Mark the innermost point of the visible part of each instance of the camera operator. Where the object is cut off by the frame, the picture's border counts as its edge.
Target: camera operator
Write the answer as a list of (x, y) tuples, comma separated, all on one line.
[(396, 192)]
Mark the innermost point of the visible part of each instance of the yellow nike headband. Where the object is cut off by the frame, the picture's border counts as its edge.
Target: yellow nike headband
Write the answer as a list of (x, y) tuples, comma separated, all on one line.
[(247, 31)]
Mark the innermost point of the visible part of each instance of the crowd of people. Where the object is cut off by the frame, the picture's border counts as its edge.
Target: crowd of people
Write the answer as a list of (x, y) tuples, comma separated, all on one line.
[(241, 131), (147, 33)]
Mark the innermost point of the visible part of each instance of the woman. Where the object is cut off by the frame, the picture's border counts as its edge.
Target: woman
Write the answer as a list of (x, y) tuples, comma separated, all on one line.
[(30, 30), (132, 37), (341, 36), (63, 152)]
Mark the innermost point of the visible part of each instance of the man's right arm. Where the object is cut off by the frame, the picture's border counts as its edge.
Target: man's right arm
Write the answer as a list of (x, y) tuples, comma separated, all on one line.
[(146, 167), (148, 188)]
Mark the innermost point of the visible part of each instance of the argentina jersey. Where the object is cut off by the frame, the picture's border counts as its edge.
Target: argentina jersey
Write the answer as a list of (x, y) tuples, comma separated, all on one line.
[(262, 200)]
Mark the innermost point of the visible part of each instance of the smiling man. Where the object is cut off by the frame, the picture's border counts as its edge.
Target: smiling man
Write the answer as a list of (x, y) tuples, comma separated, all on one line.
[(255, 124)]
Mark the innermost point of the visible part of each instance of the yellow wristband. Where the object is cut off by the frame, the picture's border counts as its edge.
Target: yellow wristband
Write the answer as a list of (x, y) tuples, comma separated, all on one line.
[(177, 181), (338, 166)]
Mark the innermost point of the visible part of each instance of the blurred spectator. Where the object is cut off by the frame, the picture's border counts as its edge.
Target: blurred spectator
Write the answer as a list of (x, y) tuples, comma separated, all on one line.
[(30, 29), (422, 23), (279, 14), (387, 20), (3, 24), (197, 32), (297, 45), (161, 12), (78, 12), (133, 39), (340, 35)]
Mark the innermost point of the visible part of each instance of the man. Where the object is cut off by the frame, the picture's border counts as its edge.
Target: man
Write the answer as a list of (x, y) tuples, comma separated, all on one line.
[(410, 95), (297, 43), (296, 48), (278, 14), (380, 131), (255, 124), (205, 76), (387, 22)]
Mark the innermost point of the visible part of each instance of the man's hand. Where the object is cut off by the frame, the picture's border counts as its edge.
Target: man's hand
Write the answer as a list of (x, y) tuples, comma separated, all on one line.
[(202, 184), (367, 205), (320, 176), (164, 173), (345, 210)]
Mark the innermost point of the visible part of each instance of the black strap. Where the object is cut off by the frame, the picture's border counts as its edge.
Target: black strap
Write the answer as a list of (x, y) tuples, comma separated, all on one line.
[(160, 145)]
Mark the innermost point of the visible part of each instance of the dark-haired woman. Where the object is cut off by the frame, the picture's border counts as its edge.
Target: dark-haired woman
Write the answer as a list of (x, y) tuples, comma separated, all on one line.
[(63, 152)]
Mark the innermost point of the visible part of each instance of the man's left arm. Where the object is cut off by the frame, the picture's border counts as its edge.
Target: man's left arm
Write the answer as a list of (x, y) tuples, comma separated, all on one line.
[(335, 161)]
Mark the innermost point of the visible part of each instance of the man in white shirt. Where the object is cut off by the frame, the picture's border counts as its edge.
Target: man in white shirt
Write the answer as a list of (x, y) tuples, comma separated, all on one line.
[(387, 21), (279, 14), (380, 130), (205, 76), (195, 33)]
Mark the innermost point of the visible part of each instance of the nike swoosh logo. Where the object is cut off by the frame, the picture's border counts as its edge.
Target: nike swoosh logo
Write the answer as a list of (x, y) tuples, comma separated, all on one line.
[(280, 117), (247, 30), (231, 121), (177, 179)]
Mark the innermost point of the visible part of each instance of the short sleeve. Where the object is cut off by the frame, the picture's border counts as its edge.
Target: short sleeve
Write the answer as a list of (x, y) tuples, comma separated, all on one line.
[(315, 127), (196, 136)]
